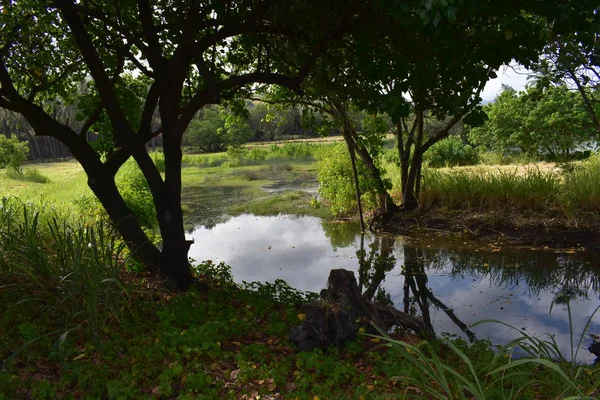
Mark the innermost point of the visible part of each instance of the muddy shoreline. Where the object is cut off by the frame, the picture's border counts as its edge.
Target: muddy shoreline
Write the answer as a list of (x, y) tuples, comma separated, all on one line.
[(493, 230)]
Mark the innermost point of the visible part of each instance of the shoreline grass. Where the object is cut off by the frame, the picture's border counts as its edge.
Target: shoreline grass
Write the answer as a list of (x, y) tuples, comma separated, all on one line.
[(572, 195)]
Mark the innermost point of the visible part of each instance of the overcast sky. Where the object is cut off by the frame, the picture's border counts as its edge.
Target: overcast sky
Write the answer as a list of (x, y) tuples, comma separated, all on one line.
[(516, 78)]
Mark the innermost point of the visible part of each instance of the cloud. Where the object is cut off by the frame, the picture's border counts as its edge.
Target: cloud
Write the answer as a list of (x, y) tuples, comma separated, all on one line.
[(515, 78)]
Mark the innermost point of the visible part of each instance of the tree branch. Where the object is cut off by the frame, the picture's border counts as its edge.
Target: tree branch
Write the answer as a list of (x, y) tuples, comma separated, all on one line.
[(94, 63), (155, 57)]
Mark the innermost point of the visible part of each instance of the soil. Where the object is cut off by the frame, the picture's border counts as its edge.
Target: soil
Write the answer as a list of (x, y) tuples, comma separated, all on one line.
[(494, 229)]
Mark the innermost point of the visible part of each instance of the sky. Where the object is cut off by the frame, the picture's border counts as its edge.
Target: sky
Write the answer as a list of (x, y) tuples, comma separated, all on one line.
[(516, 78)]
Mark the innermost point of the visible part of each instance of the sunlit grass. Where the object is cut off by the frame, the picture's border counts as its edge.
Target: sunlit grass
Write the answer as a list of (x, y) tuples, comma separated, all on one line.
[(67, 182), (542, 189)]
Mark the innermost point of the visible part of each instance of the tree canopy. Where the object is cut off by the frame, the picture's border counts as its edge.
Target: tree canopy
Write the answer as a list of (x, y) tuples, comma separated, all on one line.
[(549, 122), (172, 58)]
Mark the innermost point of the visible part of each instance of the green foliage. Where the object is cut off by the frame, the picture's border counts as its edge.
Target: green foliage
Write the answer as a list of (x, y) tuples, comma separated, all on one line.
[(130, 92), (337, 182), (241, 156), (136, 193), (13, 153), (217, 129), (548, 123), (451, 152), (68, 272), (159, 161), (280, 291)]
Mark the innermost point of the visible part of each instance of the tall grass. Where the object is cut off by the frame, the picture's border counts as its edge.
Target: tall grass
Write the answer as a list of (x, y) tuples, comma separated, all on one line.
[(526, 367), (533, 190), (581, 188), (570, 194), (68, 271), (30, 174)]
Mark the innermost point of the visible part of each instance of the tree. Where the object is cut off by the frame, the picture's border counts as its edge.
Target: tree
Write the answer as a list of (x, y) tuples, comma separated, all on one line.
[(216, 129), (434, 81), (192, 53), (574, 59), (549, 122), (197, 53)]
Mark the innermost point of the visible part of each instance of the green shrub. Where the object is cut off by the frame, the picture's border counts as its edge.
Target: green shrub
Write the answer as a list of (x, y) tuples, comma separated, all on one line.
[(136, 193), (13, 153), (159, 160), (337, 182), (451, 152), (257, 154)]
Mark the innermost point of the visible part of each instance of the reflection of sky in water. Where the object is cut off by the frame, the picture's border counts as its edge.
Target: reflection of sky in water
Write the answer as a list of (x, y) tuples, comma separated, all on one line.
[(297, 250)]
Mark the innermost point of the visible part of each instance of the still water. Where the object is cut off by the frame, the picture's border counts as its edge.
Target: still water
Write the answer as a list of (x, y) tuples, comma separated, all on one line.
[(450, 287)]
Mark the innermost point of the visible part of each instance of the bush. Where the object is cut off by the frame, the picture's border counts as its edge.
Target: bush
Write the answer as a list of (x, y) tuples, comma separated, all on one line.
[(13, 153), (159, 160), (451, 152), (135, 191), (337, 182)]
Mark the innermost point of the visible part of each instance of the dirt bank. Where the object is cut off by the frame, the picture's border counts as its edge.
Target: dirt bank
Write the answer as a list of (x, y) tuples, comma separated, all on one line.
[(494, 229)]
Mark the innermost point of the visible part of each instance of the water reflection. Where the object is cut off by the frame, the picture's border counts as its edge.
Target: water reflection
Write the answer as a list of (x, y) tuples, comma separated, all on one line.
[(449, 287)]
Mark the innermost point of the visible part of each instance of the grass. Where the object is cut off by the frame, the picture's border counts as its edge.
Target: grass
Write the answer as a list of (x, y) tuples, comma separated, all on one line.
[(571, 195), (67, 182), (30, 174), (207, 190)]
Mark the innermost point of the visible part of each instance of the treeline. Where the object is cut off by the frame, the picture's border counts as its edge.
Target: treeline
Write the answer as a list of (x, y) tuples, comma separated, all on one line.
[(213, 129), (551, 123)]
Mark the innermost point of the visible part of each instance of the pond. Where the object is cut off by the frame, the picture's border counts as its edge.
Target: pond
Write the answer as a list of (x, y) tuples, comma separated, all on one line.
[(450, 287)]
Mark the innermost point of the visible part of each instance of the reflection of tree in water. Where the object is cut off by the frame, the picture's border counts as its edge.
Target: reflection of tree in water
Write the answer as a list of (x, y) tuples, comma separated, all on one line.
[(340, 234), (567, 276), (415, 281), (373, 267), (572, 274)]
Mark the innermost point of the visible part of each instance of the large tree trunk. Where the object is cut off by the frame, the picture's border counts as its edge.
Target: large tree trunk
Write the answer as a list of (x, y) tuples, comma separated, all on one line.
[(174, 261), (102, 183), (409, 196)]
